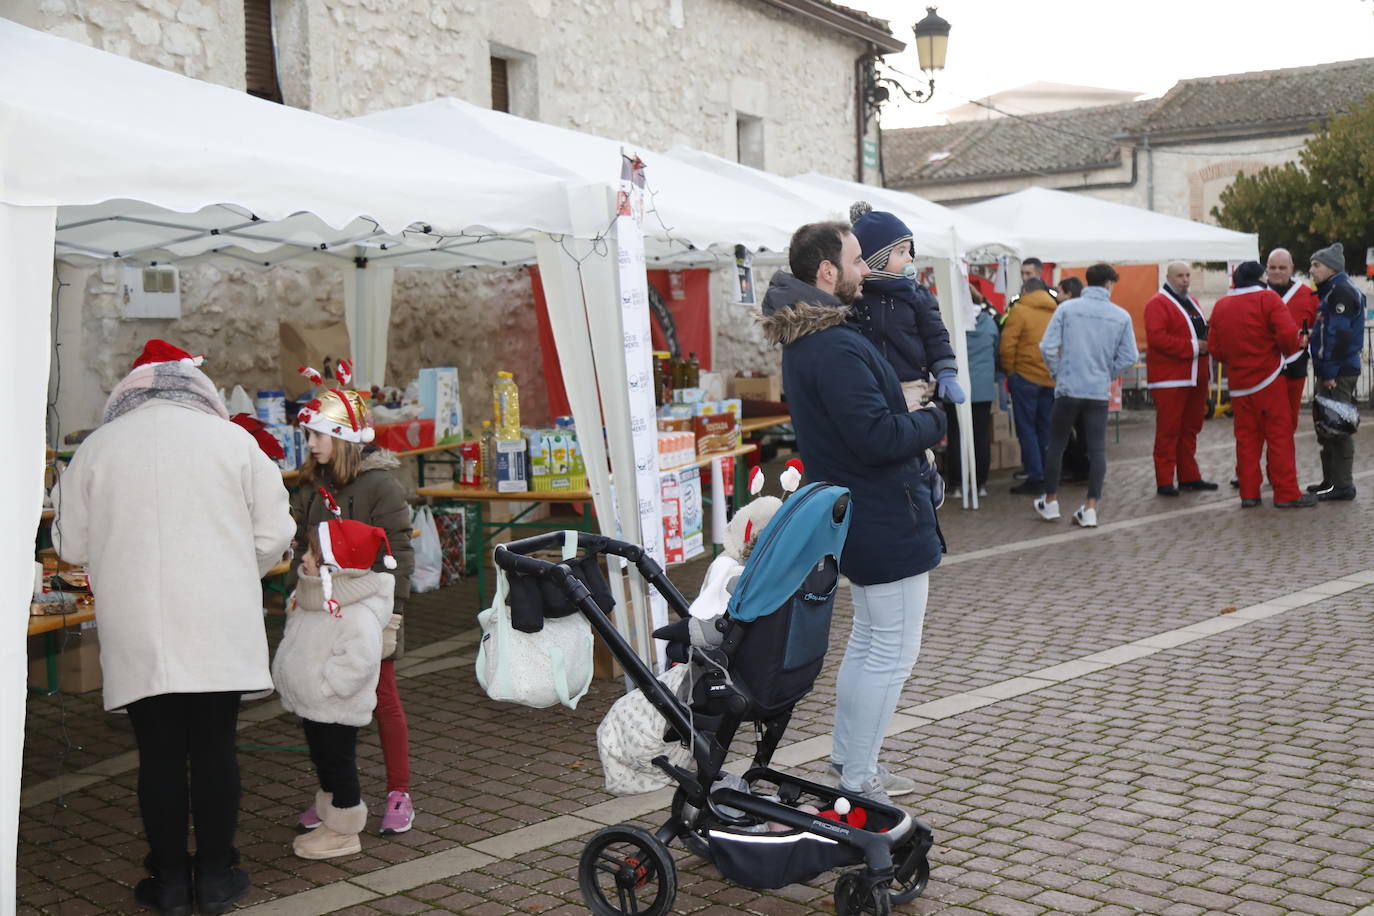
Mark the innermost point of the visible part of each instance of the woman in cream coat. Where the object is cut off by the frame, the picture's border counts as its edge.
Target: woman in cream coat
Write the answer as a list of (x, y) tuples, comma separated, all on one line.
[(177, 513)]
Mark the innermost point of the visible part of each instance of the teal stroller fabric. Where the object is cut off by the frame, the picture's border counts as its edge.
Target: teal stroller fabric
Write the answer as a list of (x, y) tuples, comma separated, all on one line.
[(799, 536)]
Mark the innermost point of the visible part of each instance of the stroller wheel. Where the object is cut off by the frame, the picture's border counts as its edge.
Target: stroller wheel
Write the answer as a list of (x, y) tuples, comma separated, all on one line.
[(627, 870), (687, 815), (856, 894), (913, 874)]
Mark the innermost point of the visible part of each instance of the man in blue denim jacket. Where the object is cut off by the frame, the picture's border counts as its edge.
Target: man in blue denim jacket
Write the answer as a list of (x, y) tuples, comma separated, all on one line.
[(1089, 342)]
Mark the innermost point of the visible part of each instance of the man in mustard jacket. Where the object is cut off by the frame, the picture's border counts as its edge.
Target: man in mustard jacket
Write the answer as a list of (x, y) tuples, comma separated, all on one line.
[(1032, 388)]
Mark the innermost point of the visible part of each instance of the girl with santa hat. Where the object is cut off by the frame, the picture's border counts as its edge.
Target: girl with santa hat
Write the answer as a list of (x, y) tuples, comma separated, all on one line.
[(326, 670), (348, 477)]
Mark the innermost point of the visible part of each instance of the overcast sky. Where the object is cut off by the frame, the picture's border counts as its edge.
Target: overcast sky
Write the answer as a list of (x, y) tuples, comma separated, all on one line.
[(1147, 47)]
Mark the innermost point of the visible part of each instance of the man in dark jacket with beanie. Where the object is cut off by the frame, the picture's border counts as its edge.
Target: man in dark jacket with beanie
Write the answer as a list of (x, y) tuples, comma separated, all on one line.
[(854, 429), (1336, 341)]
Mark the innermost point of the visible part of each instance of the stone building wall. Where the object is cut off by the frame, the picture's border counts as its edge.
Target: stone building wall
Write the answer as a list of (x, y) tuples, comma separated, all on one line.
[(198, 38), (653, 72)]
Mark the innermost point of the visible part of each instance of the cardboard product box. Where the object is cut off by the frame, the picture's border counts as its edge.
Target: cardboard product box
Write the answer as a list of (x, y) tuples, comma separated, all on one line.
[(78, 660), (767, 388), (693, 513), (439, 402), (670, 492), (405, 435), (716, 432), (511, 458)]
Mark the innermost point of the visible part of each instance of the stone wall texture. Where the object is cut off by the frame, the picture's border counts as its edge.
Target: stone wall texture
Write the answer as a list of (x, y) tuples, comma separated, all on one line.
[(651, 72)]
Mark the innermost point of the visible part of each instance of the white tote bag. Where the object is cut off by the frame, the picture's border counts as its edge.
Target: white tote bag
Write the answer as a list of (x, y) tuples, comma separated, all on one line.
[(429, 556), (534, 669)]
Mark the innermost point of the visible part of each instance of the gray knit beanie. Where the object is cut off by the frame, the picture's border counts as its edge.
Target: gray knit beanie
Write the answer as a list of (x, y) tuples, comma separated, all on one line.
[(1332, 256)]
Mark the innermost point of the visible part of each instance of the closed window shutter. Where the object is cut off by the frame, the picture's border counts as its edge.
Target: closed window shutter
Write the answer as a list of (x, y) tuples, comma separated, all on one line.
[(260, 68), (500, 85)]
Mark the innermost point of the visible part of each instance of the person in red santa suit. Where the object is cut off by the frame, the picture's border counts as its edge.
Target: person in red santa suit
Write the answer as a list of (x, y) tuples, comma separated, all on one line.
[(1253, 334), (1301, 300), (1177, 373)]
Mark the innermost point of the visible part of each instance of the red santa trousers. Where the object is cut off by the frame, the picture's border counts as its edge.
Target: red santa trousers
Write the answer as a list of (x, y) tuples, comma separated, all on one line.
[(1264, 423), (1295, 387), (1179, 413)]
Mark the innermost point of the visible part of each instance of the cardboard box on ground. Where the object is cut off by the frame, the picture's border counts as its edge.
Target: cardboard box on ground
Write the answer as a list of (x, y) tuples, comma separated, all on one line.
[(78, 659)]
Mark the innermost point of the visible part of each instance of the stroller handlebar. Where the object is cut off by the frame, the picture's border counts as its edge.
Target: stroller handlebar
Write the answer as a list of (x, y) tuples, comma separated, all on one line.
[(513, 557)]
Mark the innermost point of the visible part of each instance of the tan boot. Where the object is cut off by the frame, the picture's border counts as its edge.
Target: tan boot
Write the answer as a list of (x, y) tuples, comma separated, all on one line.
[(338, 833)]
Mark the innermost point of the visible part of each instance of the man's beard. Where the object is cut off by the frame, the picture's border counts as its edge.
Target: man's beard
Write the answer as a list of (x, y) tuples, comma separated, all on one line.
[(848, 293)]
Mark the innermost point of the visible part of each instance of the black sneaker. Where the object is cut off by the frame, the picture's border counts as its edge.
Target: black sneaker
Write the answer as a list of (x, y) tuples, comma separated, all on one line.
[(1249, 503), (1197, 485), (1169, 490), (1318, 487), (1029, 488), (1235, 483), (1334, 494), (1305, 501)]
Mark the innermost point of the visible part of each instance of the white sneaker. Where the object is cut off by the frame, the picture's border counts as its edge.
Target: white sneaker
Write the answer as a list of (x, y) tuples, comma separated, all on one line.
[(982, 491), (1085, 517), (958, 493), (1048, 511)]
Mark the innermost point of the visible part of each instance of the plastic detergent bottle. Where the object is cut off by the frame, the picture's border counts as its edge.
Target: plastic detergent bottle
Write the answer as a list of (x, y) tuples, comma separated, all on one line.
[(488, 456), (505, 406)]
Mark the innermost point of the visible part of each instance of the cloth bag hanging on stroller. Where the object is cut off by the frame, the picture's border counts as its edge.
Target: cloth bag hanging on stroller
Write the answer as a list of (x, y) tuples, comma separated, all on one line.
[(553, 665)]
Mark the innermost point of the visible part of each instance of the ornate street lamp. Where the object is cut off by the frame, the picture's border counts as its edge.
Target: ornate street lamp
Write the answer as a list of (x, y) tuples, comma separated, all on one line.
[(932, 40)]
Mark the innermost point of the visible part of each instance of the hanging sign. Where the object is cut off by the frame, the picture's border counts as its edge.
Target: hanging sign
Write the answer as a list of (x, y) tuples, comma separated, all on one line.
[(634, 303), (744, 276)]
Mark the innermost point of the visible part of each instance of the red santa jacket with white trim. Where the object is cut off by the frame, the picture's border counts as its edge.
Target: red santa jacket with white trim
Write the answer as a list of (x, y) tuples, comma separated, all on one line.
[(1302, 302), (1252, 333), (1171, 359)]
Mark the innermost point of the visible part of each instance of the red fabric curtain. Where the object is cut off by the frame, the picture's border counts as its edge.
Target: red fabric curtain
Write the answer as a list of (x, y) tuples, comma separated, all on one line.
[(688, 294)]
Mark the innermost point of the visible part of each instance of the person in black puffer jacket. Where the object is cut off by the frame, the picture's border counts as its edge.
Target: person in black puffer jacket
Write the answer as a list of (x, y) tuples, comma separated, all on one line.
[(854, 430), (900, 316)]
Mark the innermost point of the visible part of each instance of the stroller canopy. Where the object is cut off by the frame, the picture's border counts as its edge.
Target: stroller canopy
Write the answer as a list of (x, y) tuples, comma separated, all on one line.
[(802, 533)]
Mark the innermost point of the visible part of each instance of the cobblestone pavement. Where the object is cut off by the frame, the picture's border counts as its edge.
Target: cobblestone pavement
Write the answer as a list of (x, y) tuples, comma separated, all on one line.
[(1090, 729)]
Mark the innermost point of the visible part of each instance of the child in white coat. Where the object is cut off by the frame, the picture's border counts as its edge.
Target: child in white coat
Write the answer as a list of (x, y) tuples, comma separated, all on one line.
[(326, 670)]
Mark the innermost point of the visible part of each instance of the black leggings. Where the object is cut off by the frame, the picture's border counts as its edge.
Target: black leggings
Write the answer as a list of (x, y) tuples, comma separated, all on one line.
[(334, 751), (982, 443), (174, 730), (1062, 418)]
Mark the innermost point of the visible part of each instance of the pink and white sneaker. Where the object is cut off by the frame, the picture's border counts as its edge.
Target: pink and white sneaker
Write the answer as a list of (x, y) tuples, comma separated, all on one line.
[(399, 814), (309, 818)]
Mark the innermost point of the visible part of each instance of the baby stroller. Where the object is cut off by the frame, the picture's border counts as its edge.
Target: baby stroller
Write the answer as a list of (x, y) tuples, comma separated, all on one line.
[(768, 829)]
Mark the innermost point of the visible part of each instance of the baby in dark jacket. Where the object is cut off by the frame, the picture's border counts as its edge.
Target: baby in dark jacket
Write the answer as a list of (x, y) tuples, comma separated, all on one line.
[(899, 315)]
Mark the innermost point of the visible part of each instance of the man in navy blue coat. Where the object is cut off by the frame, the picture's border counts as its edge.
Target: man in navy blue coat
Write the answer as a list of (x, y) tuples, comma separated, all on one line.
[(853, 429)]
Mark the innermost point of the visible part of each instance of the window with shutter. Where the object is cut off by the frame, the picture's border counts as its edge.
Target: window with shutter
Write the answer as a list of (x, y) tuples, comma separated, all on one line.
[(260, 51), (500, 84)]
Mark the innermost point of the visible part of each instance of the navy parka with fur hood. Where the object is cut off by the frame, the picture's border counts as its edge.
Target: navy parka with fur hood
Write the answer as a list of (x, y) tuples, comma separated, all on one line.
[(854, 430)]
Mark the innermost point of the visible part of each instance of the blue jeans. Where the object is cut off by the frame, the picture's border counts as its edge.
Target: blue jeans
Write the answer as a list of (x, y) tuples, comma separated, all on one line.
[(883, 645), (1031, 405)]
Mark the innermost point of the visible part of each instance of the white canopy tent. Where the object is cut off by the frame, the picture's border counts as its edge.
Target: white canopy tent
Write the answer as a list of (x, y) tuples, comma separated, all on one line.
[(1073, 228), (694, 216), (102, 157)]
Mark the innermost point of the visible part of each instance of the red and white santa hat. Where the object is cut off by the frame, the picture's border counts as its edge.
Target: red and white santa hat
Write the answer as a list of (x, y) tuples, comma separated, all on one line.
[(160, 351), (347, 544)]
